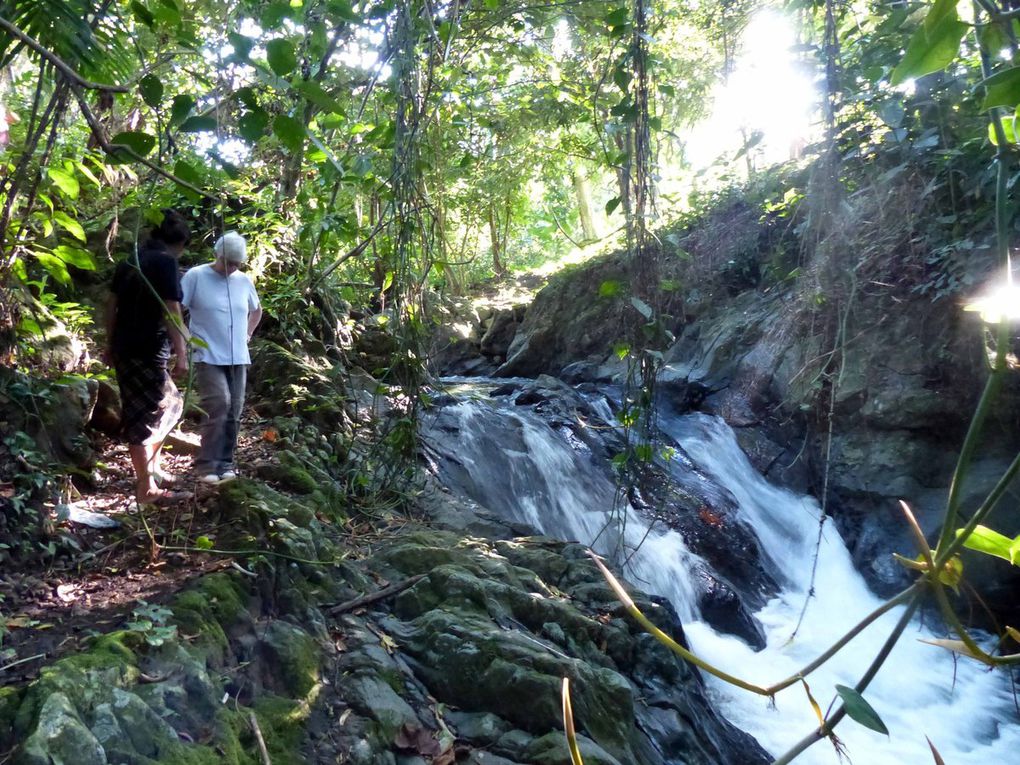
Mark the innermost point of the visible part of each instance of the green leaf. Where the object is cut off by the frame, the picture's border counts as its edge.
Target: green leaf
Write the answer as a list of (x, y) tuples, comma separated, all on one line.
[(76, 256), (188, 172), (610, 288), (274, 14), (54, 266), (617, 17), (252, 125), (1008, 130), (167, 12), (860, 710), (643, 308), (931, 50), (620, 350), (151, 88), (199, 124), (1002, 89), (142, 14), (491, 4), (203, 543), (667, 90), (69, 224), (315, 93), (281, 57), (612, 204), (64, 181), (990, 542), (242, 45), (180, 109), (140, 143), (246, 96), (342, 9), (290, 131), (941, 10)]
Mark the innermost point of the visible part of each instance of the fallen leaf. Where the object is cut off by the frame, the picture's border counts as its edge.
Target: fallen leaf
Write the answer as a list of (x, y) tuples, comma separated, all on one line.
[(416, 739), (343, 717), (68, 592), (388, 643)]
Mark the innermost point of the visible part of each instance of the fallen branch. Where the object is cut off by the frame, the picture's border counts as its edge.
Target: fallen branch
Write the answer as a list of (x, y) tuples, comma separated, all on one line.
[(382, 594), (6, 667), (263, 752)]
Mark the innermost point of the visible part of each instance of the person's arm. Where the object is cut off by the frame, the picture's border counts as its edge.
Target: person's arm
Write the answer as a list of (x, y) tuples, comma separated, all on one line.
[(178, 331), (254, 317)]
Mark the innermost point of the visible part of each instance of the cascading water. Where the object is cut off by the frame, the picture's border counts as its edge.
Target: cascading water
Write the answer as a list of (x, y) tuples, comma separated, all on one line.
[(512, 462)]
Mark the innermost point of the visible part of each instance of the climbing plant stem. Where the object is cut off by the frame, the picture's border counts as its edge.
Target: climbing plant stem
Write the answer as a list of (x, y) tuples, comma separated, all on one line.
[(826, 730)]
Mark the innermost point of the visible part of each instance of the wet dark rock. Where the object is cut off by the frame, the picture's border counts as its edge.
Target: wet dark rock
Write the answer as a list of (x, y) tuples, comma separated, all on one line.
[(722, 608)]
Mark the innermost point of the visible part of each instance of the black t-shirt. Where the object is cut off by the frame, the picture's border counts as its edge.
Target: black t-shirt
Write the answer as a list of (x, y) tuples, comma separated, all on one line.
[(139, 331)]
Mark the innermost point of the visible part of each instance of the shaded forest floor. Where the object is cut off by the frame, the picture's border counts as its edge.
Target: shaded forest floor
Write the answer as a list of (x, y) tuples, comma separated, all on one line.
[(115, 572)]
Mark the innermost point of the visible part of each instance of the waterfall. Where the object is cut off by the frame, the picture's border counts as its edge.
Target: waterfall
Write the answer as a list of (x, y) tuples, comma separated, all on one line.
[(515, 464)]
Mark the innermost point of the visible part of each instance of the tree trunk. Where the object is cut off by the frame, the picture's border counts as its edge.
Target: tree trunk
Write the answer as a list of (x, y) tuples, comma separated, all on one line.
[(584, 210), (496, 243)]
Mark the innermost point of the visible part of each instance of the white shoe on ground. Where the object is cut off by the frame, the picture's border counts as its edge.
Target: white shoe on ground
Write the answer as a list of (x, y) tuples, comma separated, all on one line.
[(210, 478), (228, 475)]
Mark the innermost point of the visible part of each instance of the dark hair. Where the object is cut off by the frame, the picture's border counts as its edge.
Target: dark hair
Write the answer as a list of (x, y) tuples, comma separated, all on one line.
[(173, 229)]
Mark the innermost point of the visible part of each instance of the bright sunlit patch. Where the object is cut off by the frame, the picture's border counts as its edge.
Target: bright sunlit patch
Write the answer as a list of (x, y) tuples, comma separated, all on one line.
[(769, 93), (1001, 304)]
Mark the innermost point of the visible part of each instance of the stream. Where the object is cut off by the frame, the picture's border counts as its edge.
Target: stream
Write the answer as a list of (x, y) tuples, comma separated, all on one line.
[(533, 469)]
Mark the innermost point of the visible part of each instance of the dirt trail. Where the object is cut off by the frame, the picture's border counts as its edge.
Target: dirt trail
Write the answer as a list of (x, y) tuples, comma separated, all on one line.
[(102, 575)]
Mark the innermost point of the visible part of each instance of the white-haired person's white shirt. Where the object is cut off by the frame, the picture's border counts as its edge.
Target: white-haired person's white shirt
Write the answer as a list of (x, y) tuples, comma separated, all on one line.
[(219, 306)]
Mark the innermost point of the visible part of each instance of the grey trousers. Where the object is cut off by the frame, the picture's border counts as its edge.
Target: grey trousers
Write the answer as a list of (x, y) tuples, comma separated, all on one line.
[(221, 395)]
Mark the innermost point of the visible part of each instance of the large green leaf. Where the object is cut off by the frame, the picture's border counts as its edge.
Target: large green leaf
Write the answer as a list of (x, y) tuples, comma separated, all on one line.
[(181, 108), (151, 88), (64, 181), (860, 710), (242, 45), (990, 542), (281, 57), (188, 172), (290, 131), (342, 9), (274, 13), (252, 125), (314, 92), (1002, 89), (76, 256), (54, 266), (69, 224), (199, 124), (931, 49), (139, 143)]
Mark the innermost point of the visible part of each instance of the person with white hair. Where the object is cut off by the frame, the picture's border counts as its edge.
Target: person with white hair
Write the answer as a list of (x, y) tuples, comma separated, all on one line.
[(224, 312)]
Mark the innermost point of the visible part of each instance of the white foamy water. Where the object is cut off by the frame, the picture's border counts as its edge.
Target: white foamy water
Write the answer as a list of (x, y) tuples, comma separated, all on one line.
[(523, 470), (967, 711)]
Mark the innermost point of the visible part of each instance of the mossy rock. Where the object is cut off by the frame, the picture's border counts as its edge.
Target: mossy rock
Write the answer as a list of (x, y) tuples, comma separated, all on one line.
[(289, 473), (282, 722), (85, 679), (292, 658)]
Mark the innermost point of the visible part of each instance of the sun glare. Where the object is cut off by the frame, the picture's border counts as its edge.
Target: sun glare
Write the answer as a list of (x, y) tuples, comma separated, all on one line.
[(768, 94)]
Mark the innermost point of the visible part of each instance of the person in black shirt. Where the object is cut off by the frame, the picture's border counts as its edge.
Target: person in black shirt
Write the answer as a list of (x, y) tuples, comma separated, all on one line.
[(144, 323)]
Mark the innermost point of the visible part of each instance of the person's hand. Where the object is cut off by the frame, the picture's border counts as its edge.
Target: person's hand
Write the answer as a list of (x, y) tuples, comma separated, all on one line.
[(180, 370)]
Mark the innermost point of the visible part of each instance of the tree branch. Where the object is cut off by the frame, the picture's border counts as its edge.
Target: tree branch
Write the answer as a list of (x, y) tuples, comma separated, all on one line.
[(58, 62), (120, 149)]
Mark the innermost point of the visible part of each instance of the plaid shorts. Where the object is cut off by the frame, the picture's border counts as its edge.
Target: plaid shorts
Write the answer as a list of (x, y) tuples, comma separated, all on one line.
[(151, 404)]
